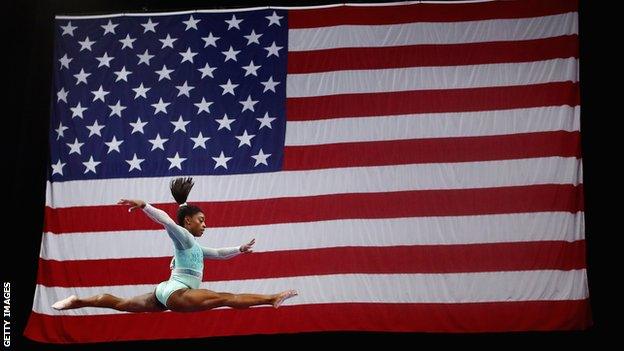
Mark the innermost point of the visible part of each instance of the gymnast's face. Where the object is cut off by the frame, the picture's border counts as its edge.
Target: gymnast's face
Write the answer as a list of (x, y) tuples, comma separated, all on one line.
[(195, 224)]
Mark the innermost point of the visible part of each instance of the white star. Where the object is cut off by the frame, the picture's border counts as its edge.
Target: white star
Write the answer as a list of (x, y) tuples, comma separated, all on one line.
[(225, 122), (273, 49), (95, 129), (62, 95), (65, 61), (168, 41), (127, 42), (68, 29), (244, 139), (99, 94), (90, 165), (203, 106), (269, 85), (77, 110), (253, 37), (210, 40), (135, 163), (161, 106), (248, 104), (184, 89), (145, 58), (104, 60), (228, 87), (158, 143), (82, 76), (109, 28), (176, 161), (123, 74), (251, 69), (113, 145), (149, 26), (60, 130), (164, 73), (261, 157), (75, 147), (191, 23), (188, 55), (233, 23), (58, 168), (86, 44), (138, 126), (221, 161), (141, 91), (230, 54), (207, 71), (265, 121), (116, 109), (274, 19), (180, 124), (200, 141)]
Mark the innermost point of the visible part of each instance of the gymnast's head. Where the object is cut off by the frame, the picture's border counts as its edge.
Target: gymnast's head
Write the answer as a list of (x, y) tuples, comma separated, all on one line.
[(189, 216)]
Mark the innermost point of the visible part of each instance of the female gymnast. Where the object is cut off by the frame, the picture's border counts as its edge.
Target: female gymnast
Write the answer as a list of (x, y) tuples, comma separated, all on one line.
[(181, 292)]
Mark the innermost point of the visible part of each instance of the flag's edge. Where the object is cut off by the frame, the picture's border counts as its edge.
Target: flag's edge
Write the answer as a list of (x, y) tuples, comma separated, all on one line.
[(150, 14)]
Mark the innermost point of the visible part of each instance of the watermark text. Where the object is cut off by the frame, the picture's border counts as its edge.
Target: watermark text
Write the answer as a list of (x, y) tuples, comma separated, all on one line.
[(6, 313)]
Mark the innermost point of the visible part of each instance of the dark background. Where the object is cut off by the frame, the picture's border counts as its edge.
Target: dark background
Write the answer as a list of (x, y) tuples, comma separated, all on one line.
[(26, 43)]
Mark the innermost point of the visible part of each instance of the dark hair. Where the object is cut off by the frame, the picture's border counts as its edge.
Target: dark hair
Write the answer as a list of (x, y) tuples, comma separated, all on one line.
[(180, 189)]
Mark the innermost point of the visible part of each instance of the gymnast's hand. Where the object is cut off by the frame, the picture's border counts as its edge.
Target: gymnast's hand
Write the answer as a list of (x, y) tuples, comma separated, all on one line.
[(134, 204), (247, 247)]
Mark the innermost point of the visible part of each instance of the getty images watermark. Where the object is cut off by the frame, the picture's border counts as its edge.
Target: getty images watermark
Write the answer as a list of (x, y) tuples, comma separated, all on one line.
[(6, 314)]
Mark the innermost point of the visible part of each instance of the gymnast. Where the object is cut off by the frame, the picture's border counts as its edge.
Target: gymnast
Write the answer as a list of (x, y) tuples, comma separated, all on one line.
[(181, 293)]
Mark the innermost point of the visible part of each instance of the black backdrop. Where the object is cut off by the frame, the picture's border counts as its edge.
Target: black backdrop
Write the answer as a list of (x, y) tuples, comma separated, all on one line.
[(27, 70)]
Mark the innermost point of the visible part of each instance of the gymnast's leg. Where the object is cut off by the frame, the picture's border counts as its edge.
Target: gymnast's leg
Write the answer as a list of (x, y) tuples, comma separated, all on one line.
[(142, 303), (190, 300)]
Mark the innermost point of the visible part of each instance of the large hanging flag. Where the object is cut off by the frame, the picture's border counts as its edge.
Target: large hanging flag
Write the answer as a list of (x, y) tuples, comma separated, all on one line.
[(409, 167)]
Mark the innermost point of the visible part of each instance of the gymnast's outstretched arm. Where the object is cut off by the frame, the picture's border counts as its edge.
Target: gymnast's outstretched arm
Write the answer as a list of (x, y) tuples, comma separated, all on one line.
[(181, 238), (227, 252)]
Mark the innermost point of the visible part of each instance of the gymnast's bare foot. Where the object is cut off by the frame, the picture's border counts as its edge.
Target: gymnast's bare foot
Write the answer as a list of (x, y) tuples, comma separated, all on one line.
[(283, 296), (66, 303)]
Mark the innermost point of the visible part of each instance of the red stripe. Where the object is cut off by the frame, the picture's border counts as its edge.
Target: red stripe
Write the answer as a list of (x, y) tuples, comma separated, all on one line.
[(465, 149), (455, 202), (432, 55), (344, 260), (427, 13), (432, 101), (455, 318)]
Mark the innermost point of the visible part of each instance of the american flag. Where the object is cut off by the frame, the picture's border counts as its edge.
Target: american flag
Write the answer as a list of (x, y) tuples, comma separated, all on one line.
[(405, 167)]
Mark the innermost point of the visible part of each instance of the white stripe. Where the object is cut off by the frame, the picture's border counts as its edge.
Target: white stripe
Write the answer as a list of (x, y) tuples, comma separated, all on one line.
[(459, 175), (437, 33), (431, 78), (517, 227), (433, 125), (538, 285)]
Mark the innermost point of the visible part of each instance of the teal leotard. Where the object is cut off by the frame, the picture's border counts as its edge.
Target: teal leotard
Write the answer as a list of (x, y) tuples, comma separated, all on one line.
[(188, 258)]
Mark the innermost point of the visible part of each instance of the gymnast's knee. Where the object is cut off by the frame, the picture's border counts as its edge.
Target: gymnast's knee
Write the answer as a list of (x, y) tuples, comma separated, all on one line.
[(218, 301), (103, 297)]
